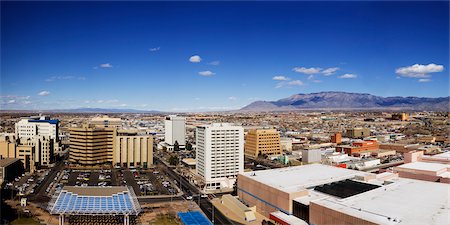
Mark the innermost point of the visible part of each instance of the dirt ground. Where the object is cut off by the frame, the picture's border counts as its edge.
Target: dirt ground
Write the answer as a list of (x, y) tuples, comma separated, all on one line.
[(37, 213), (152, 213)]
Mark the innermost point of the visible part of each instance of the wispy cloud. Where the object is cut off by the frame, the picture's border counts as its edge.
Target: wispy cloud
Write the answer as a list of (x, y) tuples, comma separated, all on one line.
[(154, 49), (101, 101), (54, 78), (419, 70), (206, 73), (232, 98), (214, 63), (348, 76), (304, 70), (195, 59), (44, 93), (11, 101), (424, 80), (290, 84), (280, 78), (106, 65), (330, 71)]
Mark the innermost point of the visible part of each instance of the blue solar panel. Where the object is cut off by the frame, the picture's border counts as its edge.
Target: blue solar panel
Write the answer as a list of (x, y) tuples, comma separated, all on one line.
[(70, 203)]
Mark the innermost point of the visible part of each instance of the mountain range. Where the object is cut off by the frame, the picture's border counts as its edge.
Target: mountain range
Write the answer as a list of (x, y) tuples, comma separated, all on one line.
[(334, 100)]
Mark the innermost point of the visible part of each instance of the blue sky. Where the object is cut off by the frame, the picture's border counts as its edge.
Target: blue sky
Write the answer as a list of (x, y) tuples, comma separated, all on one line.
[(57, 55)]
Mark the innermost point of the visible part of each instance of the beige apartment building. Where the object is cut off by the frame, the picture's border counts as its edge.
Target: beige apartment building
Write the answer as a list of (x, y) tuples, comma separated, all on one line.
[(133, 150), (91, 145), (262, 142)]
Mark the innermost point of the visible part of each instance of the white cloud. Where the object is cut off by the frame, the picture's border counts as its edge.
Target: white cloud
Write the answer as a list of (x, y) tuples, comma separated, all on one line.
[(26, 102), (330, 71), (232, 98), (44, 93), (11, 101), (195, 59), (419, 70), (106, 65), (289, 84), (206, 73), (280, 78), (348, 76), (214, 63), (154, 49), (311, 77), (123, 105), (424, 80), (312, 70)]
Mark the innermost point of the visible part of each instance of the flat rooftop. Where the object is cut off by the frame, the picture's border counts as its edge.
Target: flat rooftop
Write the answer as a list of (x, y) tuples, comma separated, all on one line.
[(7, 161), (405, 201), (95, 191), (424, 166), (296, 178)]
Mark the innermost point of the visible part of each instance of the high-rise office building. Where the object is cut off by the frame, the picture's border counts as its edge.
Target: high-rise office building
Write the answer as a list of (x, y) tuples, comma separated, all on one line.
[(175, 130), (133, 150), (220, 155), (262, 142), (100, 143), (29, 128), (91, 145)]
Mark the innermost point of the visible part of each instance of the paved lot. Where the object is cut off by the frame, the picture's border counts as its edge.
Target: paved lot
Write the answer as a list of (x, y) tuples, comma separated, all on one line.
[(128, 176), (93, 179)]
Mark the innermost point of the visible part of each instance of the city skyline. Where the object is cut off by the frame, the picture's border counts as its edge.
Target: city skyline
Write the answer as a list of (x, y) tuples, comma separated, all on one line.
[(212, 56)]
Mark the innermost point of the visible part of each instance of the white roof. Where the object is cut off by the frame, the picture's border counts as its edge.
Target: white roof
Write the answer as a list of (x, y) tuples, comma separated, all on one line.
[(405, 201), (297, 178), (445, 155), (289, 218), (425, 166)]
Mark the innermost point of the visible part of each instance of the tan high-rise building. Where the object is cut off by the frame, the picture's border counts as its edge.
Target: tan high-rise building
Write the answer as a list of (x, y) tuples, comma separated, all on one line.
[(133, 150), (262, 142), (91, 145)]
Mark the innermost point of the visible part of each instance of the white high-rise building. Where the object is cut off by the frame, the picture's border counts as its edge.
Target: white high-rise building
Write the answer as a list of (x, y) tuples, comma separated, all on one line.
[(29, 128), (220, 155), (175, 130), (42, 133)]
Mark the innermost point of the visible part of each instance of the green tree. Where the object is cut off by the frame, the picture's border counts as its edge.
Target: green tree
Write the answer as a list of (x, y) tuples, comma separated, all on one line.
[(173, 160), (188, 146), (176, 146)]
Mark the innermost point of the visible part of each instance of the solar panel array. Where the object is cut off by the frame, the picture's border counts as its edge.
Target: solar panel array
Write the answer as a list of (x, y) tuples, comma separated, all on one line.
[(70, 203), (193, 218)]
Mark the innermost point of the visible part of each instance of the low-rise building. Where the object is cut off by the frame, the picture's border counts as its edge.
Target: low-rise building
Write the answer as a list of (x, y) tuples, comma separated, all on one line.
[(320, 194), (10, 168)]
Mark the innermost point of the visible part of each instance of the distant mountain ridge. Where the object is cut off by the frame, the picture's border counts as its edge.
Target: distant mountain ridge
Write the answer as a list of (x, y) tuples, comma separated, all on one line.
[(345, 100)]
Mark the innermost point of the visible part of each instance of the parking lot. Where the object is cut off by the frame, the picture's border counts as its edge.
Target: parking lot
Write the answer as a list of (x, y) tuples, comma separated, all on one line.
[(148, 182)]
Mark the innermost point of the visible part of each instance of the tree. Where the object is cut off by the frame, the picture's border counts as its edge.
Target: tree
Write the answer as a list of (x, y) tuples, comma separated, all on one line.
[(188, 146), (176, 146), (173, 160)]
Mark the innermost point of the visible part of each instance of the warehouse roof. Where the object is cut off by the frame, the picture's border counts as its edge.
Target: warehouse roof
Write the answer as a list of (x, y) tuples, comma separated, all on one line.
[(296, 178), (421, 202)]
